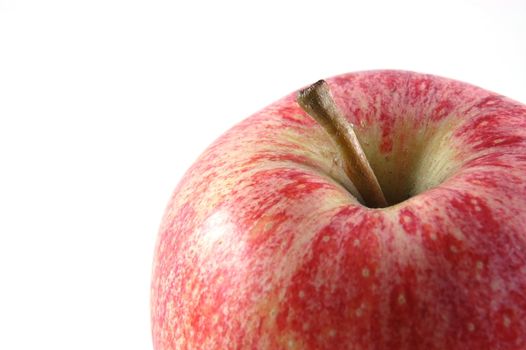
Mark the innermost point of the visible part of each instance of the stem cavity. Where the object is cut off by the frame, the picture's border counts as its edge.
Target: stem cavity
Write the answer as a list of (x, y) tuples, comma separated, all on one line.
[(317, 101)]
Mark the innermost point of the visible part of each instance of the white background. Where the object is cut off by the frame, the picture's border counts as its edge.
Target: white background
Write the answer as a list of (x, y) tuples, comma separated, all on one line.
[(105, 103)]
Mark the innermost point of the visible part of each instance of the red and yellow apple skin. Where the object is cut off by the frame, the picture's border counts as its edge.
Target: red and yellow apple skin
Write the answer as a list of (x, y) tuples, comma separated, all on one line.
[(263, 247)]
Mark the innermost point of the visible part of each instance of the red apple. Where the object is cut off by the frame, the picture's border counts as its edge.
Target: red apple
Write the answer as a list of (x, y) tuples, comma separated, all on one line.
[(266, 244)]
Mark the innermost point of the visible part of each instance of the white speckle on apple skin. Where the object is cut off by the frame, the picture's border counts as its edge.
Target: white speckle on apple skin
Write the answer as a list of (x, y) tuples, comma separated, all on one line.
[(365, 272), (359, 312)]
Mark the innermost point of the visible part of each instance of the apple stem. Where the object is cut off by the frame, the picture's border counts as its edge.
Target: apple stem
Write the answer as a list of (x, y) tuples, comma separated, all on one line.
[(317, 101)]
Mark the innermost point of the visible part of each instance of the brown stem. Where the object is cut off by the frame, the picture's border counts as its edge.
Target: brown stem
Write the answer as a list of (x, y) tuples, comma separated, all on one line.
[(317, 101)]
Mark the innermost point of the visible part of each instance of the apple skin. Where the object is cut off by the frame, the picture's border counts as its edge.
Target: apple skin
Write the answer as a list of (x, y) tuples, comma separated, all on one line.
[(262, 246)]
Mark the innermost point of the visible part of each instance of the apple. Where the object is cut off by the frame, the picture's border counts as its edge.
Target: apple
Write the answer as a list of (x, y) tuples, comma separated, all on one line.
[(388, 211)]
